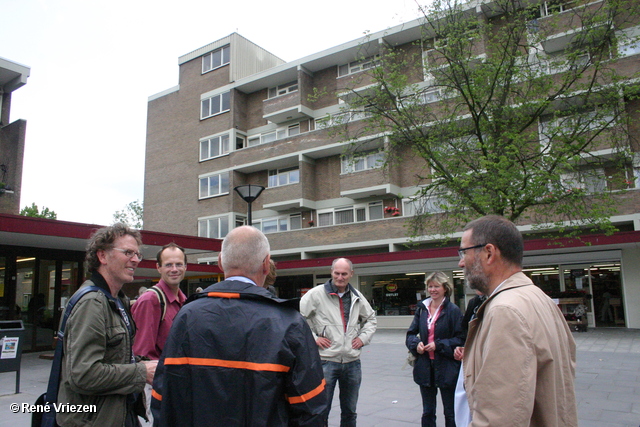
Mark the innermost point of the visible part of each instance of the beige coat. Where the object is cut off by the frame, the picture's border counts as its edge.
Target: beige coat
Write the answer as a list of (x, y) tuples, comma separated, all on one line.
[(321, 307), (520, 358)]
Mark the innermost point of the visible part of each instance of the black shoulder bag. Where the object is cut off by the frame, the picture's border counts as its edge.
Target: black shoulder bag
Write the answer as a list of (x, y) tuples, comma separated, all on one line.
[(47, 417)]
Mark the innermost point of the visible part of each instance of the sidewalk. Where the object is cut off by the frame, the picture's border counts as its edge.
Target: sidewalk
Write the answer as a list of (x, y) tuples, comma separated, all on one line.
[(607, 383)]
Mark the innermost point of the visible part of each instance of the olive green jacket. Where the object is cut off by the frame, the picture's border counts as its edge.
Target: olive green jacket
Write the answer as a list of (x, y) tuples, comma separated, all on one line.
[(96, 366)]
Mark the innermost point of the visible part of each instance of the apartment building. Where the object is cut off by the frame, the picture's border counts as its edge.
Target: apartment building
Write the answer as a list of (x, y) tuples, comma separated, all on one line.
[(12, 136), (240, 115)]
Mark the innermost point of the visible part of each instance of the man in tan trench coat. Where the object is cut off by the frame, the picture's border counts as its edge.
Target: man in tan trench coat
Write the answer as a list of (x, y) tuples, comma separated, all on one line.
[(520, 356)]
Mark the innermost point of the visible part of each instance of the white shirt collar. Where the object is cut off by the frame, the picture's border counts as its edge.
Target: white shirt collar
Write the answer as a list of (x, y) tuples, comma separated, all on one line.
[(242, 279)]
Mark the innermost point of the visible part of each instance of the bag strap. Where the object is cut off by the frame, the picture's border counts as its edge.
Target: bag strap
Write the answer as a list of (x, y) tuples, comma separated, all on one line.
[(56, 366), (162, 298)]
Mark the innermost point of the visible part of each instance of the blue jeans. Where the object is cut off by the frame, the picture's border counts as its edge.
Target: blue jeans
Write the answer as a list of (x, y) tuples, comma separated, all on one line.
[(429, 406), (349, 377)]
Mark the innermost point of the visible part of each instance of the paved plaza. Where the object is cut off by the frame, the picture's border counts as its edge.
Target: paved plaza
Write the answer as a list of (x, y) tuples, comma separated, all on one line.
[(607, 383)]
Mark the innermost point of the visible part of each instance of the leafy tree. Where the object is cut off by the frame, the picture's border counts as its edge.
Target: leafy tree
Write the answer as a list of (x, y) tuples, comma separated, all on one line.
[(33, 211), (131, 215), (505, 121)]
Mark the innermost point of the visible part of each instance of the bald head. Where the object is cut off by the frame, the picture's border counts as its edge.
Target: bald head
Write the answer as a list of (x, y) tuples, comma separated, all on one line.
[(244, 252)]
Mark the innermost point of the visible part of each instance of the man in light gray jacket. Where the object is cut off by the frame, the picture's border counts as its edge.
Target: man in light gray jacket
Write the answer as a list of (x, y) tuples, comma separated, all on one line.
[(342, 322)]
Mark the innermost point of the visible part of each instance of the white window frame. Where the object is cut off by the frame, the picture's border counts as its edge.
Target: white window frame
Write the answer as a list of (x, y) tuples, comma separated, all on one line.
[(207, 183), (429, 96), (219, 224), (221, 102), (593, 184), (546, 9), (628, 41), (290, 175), (274, 135), (333, 216), (568, 120), (284, 89), (220, 142), (359, 162), (431, 205), (281, 223), (358, 66), (209, 62)]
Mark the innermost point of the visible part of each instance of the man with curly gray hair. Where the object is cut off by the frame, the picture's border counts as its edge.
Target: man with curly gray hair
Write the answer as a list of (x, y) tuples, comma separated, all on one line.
[(98, 367)]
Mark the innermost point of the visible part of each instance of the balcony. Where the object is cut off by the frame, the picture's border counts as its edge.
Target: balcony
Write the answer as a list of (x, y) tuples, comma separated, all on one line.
[(285, 108), (286, 197)]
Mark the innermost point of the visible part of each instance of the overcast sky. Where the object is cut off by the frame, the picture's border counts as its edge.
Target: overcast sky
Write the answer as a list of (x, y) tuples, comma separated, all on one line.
[(95, 63)]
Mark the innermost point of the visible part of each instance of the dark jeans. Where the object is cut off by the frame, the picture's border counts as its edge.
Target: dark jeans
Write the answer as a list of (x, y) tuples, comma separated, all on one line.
[(429, 406), (348, 376)]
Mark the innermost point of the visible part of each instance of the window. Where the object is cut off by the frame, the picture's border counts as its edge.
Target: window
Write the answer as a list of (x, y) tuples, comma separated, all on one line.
[(429, 96), (556, 6), (283, 89), (278, 224), (362, 161), (585, 121), (628, 41), (214, 185), (278, 177), (349, 214), (327, 121), (214, 228), (214, 147), (593, 181), (215, 105), (433, 204), (274, 135), (240, 141), (215, 59), (357, 66), (560, 62)]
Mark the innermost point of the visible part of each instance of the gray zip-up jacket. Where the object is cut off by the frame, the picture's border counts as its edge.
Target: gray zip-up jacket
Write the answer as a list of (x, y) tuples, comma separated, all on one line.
[(325, 314)]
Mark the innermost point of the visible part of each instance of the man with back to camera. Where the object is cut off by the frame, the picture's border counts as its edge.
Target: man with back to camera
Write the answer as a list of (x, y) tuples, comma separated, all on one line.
[(520, 356), (236, 355), (154, 312), (98, 365), (342, 321)]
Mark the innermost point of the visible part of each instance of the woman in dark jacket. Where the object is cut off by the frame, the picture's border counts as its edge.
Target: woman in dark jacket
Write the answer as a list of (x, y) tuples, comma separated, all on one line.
[(435, 332)]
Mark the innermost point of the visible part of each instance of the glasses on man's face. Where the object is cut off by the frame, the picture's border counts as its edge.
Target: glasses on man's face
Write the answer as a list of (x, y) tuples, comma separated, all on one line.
[(129, 253), (461, 251), (171, 266)]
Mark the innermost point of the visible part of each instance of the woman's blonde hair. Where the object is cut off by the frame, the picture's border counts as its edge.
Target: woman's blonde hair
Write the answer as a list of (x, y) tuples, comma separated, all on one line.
[(441, 278)]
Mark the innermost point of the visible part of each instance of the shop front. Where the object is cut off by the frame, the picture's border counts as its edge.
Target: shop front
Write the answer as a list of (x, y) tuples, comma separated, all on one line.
[(42, 265), (596, 285), (34, 287), (594, 280)]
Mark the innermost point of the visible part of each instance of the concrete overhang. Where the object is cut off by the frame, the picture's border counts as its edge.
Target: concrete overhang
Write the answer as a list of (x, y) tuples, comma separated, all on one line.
[(377, 190), (12, 75), (291, 204), (22, 231)]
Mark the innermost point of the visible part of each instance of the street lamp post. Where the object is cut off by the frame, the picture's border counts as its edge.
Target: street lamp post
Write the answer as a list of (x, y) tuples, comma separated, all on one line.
[(249, 193)]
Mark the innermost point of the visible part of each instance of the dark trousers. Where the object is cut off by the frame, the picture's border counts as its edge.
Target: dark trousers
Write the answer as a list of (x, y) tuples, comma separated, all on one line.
[(429, 406), (348, 376)]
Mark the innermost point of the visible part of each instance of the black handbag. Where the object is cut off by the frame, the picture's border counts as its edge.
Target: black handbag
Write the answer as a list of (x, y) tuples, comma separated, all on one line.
[(47, 416)]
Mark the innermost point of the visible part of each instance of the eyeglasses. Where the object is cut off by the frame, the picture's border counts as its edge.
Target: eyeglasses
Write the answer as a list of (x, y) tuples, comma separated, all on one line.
[(178, 265), (461, 251), (129, 253)]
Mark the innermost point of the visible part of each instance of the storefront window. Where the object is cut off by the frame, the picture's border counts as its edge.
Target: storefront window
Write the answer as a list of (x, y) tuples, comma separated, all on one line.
[(545, 277), (393, 294)]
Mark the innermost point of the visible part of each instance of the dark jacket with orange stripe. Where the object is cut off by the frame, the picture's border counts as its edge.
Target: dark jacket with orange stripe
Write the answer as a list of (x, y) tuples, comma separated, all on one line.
[(237, 356)]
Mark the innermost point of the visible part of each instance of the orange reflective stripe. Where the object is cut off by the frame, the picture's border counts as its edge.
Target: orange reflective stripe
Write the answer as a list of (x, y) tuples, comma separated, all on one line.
[(223, 294), (156, 395), (273, 367), (307, 396)]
